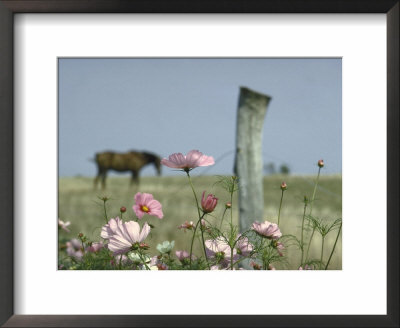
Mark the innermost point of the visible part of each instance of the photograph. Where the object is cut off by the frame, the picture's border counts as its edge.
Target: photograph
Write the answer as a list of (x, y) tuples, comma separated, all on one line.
[(199, 163)]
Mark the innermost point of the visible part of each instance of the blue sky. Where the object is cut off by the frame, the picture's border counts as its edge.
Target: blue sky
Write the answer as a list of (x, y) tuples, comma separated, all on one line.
[(175, 105)]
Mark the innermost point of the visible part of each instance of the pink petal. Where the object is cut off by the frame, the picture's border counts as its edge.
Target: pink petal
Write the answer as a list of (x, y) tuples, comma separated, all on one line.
[(154, 204), (106, 232), (138, 198), (144, 233), (133, 231), (138, 211), (170, 164), (176, 160), (157, 213), (118, 245), (146, 198), (206, 161), (192, 158)]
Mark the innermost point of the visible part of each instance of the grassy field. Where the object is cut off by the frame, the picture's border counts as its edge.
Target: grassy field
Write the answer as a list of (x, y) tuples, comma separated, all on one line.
[(80, 204)]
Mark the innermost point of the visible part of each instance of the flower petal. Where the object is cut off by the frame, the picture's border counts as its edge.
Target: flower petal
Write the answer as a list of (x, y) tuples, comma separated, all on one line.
[(144, 233), (133, 231)]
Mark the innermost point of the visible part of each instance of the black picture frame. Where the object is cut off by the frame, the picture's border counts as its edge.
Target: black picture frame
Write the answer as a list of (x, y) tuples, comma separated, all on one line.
[(10, 7)]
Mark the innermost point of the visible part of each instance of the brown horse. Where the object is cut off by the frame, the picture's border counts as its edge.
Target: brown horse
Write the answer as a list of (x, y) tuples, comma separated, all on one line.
[(132, 161)]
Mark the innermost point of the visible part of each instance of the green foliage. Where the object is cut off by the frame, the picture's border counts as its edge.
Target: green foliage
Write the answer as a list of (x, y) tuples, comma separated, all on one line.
[(87, 210)]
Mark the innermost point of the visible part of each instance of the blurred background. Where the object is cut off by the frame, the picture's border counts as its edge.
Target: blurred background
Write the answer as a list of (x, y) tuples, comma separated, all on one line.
[(176, 105)]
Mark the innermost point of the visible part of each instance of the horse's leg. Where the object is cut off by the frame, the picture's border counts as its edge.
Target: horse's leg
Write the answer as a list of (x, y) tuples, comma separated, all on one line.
[(96, 179), (135, 178), (103, 180), (95, 182)]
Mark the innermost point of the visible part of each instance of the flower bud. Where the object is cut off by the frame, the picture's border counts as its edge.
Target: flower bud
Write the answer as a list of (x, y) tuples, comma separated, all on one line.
[(135, 246), (123, 209), (208, 203), (144, 246), (321, 163), (283, 186), (228, 205)]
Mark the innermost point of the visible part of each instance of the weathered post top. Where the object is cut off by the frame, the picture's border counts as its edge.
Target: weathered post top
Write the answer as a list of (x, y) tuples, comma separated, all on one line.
[(251, 112)]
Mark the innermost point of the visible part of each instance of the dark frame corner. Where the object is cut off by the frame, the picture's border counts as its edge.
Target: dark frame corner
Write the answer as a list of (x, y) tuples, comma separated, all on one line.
[(10, 7)]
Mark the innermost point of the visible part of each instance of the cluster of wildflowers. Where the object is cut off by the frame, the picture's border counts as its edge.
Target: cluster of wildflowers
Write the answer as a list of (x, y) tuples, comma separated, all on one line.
[(125, 244)]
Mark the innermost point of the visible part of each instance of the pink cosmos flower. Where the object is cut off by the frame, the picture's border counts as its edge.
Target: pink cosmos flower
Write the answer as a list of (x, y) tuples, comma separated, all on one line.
[(280, 247), (120, 258), (204, 227), (110, 229), (306, 267), (267, 229), (187, 226), (146, 204), (74, 248), (243, 246), (95, 247), (193, 159), (157, 263), (125, 236), (208, 203), (63, 225), (183, 255), (219, 250)]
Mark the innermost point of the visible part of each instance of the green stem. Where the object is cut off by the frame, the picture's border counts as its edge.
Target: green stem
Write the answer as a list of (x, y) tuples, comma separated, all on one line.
[(309, 243), (200, 217), (231, 207), (302, 233), (232, 258), (191, 244), (315, 190), (144, 262), (238, 261), (105, 210), (280, 206), (322, 248), (83, 246), (222, 219), (265, 263), (194, 193), (204, 244), (334, 246)]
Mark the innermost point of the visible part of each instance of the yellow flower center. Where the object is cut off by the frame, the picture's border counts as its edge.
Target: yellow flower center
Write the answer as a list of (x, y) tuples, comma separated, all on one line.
[(145, 208)]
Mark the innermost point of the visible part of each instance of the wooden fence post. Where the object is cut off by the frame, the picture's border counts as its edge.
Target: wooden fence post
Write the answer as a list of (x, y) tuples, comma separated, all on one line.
[(248, 163)]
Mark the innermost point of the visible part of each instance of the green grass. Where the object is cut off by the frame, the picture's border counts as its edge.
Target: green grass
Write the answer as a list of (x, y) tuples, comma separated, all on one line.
[(80, 204)]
